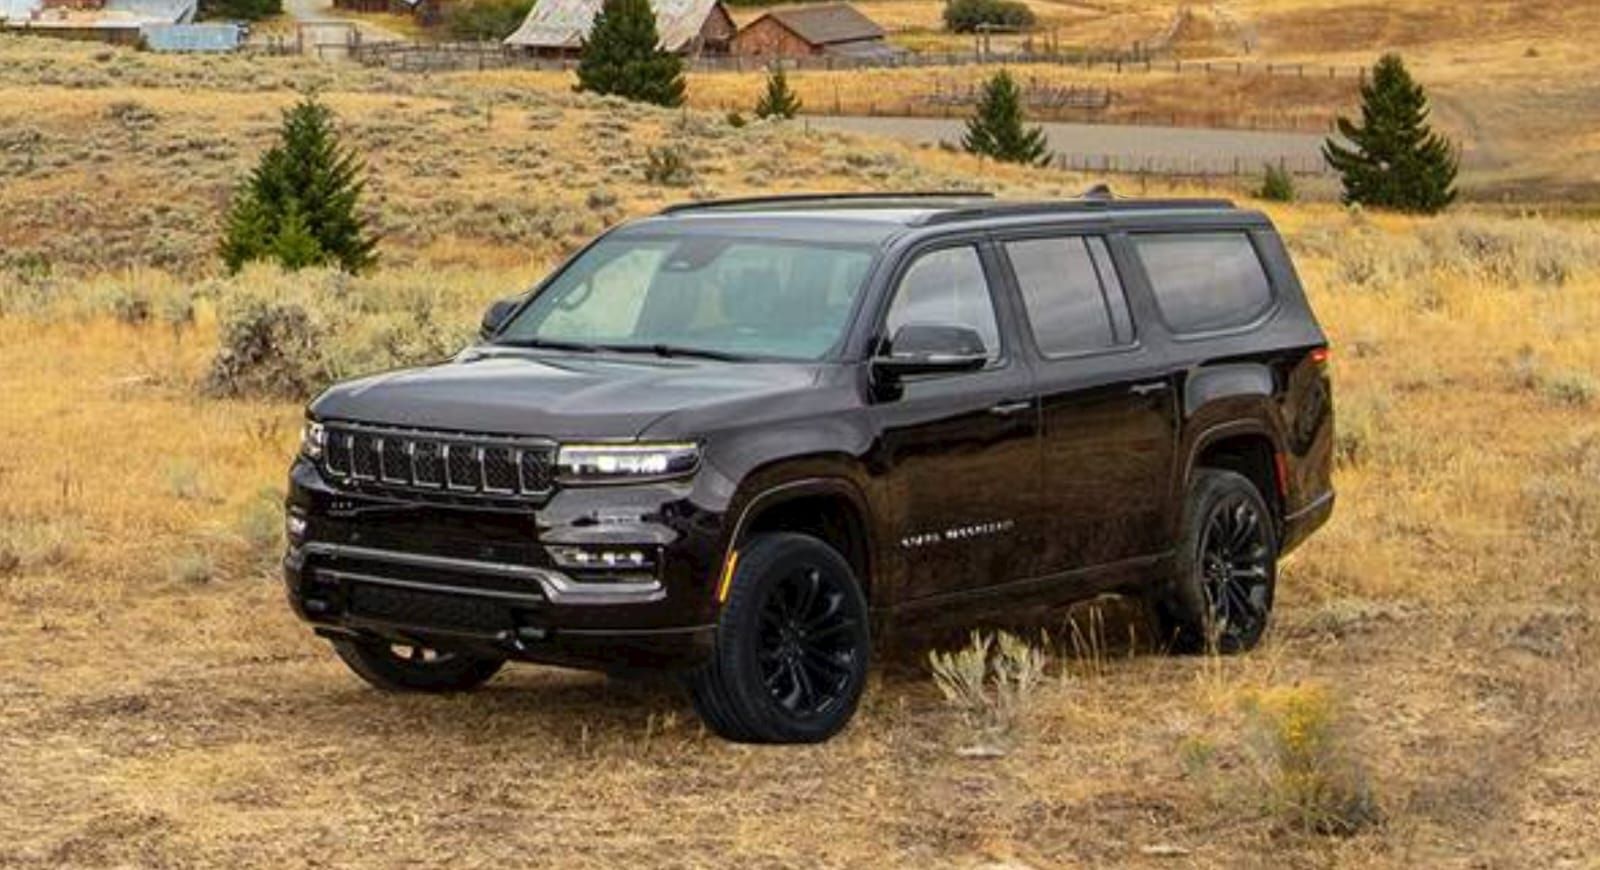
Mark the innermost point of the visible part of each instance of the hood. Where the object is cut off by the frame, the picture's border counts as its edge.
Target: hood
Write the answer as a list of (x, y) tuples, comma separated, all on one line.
[(562, 396)]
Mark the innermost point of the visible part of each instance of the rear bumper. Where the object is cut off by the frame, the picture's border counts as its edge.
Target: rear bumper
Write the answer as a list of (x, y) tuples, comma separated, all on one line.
[(1299, 525)]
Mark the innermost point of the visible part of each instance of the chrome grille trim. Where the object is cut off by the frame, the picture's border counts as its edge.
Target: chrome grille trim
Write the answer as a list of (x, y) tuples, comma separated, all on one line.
[(460, 465)]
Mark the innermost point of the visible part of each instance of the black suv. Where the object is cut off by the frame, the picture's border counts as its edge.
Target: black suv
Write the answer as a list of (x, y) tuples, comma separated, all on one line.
[(739, 438)]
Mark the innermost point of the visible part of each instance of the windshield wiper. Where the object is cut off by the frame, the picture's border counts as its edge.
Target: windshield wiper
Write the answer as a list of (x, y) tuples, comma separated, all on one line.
[(547, 344), (667, 350)]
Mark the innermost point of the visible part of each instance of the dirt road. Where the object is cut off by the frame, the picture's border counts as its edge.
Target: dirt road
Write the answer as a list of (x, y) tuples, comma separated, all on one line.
[(1121, 146)]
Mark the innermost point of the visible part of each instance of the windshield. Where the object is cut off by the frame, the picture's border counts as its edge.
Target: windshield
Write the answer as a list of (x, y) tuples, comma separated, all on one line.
[(714, 295)]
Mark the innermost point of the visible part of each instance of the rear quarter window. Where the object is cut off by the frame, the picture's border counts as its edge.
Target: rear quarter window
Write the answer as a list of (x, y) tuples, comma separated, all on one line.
[(1205, 281)]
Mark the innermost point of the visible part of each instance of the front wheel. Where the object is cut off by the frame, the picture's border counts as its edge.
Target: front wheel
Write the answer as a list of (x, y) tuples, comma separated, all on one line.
[(413, 668), (1220, 596), (792, 645)]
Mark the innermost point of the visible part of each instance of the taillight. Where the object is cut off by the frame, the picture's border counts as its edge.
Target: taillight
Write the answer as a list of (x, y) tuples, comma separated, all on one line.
[(1319, 355)]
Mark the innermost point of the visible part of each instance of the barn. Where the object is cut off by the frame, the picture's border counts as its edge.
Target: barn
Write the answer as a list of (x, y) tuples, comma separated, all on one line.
[(557, 28), (837, 29)]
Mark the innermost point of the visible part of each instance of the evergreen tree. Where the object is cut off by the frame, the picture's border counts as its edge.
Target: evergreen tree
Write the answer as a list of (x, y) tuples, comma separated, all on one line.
[(1277, 185), (997, 129), (1398, 161), (778, 101), (299, 205), (622, 56)]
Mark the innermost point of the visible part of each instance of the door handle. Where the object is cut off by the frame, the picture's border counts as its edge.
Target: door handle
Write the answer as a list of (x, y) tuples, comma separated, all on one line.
[(1149, 388), (1008, 409)]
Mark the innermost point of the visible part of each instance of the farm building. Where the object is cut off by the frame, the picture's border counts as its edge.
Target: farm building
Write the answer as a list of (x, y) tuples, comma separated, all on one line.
[(210, 38), (116, 21), (557, 28), (805, 31)]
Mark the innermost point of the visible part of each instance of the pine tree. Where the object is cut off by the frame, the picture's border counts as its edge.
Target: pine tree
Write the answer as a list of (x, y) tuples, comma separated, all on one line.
[(300, 204), (1398, 161), (779, 101), (997, 129), (622, 56)]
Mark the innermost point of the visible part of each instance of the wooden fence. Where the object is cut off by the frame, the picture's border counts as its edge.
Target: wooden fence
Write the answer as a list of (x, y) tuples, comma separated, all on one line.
[(442, 56)]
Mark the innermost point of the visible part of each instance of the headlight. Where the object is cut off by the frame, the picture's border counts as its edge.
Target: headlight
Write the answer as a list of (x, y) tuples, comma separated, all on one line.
[(624, 463), (312, 439)]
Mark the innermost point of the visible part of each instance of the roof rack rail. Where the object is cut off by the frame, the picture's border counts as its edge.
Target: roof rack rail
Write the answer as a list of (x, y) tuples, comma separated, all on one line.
[(1099, 197), (804, 198)]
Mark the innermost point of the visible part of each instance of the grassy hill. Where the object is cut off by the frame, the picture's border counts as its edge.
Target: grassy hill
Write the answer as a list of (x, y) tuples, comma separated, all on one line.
[(160, 706)]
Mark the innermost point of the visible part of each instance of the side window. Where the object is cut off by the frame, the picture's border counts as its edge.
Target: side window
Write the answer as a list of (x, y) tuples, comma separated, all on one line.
[(1072, 295), (1205, 281), (947, 287)]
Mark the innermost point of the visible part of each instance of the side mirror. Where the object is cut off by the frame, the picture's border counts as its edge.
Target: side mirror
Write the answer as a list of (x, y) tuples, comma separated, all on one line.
[(496, 316), (920, 349)]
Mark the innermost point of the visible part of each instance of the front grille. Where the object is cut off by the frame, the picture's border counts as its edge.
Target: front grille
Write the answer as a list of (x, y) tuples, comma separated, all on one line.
[(454, 466)]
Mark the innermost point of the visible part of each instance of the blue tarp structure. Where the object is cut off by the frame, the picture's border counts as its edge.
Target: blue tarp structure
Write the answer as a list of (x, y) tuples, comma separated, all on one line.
[(192, 37)]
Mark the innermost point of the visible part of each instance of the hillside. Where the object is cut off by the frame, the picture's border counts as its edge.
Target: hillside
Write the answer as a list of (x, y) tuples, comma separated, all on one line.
[(159, 706)]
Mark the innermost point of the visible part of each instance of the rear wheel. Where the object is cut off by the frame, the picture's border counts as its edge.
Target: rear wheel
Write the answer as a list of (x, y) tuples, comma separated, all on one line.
[(414, 668), (792, 645), (1220, 595)]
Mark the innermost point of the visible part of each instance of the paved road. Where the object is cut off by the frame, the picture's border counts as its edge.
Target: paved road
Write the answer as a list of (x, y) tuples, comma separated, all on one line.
[(1121, 147)]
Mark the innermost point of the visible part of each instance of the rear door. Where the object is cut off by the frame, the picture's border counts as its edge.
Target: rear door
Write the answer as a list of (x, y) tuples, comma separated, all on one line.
[(1107, 403), (959, 452)]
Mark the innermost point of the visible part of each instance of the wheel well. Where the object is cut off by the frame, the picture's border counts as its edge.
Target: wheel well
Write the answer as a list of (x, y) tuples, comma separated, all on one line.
[(834, 519), (1253, 456)]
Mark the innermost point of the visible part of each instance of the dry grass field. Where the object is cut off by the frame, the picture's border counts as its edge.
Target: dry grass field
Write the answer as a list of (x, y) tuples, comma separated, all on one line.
[(1434, 652)]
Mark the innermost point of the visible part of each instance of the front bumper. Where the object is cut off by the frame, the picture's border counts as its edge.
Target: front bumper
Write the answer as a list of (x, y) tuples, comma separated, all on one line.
[(482, 580)]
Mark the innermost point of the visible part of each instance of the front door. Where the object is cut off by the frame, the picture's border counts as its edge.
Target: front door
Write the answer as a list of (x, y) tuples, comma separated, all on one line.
[(959, 452)]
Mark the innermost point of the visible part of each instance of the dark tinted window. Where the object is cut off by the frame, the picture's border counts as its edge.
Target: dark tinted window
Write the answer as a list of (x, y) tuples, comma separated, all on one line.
[(1205, 281), (947, 287), (1073, 299)]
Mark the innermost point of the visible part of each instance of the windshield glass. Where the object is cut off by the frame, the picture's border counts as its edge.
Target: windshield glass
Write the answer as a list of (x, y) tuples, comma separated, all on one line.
[(712, 294)]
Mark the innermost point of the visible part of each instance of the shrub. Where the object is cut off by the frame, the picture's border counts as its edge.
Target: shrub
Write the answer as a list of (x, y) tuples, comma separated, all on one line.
[(668, 166), (27, 547), (269, 349), (193, 568), (1311, 778), (248, 10), (622, 56), (778, 101), (996, 129), (261, 521), (1394, 159), (1277, 184), (299, 206), (966, 16), (1575, 388), (485, 20), (1357, 422), (990, 682)]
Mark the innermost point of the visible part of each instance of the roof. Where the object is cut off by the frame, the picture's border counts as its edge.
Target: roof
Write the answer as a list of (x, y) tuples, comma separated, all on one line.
[(827, 24), (566, 23), (192, 37), (116, 14), (923, 209)]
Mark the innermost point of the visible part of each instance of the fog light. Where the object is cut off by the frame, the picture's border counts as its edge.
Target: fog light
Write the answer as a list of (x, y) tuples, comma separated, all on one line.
[(602, 558), (295, 527)]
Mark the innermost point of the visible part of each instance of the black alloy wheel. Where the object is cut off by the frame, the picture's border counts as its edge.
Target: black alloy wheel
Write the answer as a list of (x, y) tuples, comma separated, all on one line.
[(1236, 572), (807, 647), (792, 645), (1220, 593)]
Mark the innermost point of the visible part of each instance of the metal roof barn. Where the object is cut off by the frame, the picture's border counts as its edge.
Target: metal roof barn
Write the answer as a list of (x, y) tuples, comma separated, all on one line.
[(684, 25)]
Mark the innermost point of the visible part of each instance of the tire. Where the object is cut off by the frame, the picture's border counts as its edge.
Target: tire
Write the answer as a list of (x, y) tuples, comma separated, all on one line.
[(1219, 597), (792, 645), (420, 670)]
